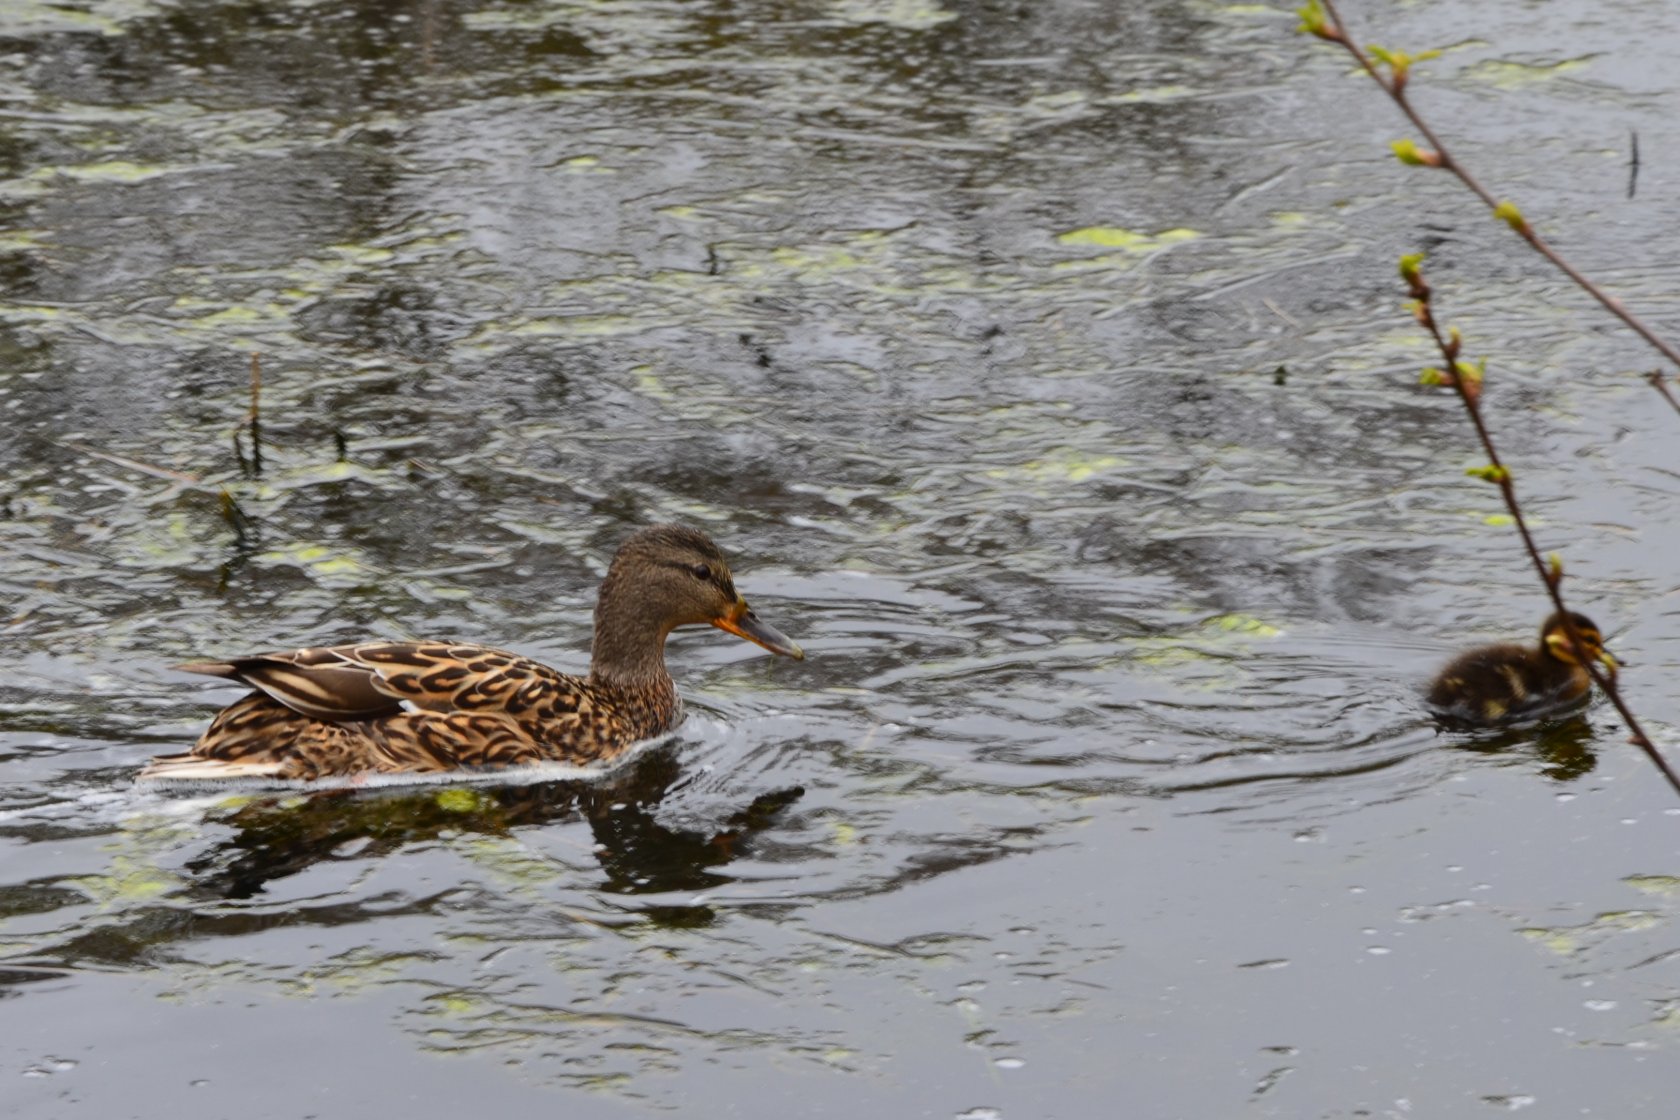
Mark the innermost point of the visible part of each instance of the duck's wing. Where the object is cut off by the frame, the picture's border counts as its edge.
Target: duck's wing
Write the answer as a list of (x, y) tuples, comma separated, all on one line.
[(258, 737), (372, 679)]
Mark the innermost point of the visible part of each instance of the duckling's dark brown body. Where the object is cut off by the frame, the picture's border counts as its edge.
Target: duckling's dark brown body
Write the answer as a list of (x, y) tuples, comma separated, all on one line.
[(426, 707), (1506, 683)]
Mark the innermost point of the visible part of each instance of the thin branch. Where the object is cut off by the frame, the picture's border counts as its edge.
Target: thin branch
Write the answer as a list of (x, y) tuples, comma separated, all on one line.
[(1633, 162), (132, 464), (1333, 29), (1466, 379)]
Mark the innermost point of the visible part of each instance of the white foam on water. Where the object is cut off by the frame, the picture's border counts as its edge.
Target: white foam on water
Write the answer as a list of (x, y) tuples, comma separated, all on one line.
[(531, 774)]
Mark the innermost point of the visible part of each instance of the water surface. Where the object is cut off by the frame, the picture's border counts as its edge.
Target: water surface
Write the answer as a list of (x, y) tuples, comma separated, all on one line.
[(1042, 369)]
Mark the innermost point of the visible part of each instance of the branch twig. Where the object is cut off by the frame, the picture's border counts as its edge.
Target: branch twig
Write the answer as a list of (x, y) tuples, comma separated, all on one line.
[(1321, 18), (1655, 377)]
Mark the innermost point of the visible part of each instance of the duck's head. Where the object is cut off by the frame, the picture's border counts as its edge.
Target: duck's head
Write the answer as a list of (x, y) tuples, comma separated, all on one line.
[(1554, 639), (668, 576)]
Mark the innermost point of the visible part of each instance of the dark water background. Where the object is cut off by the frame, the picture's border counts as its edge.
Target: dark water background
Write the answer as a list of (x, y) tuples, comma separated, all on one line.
[(1041, 365)]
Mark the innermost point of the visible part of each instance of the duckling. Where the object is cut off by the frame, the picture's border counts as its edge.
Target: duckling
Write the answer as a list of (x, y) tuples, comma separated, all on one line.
[(432, 706), (1509, 682)]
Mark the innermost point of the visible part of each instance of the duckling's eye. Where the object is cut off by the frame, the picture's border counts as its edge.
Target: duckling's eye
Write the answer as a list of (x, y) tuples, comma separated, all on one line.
[(701, 571)]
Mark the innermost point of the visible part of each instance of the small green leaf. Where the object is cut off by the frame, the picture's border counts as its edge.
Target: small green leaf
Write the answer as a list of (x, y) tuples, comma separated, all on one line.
[(1399, 63), (1489, 473), (1434, 376), (1314, 21), (1508, 213), (1411, 267)]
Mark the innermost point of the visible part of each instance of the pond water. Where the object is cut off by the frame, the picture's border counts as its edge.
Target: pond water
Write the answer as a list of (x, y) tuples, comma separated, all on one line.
[(1041, 367)]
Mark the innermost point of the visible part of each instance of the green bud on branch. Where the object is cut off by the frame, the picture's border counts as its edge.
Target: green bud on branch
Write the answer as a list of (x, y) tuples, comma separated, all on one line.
[(1466, 377), (1413, 156), (1489, 473), (1508, 213), (1411, 271)]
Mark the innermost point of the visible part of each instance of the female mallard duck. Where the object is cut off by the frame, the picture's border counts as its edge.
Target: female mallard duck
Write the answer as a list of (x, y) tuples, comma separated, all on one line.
[(425, 707), (1503, 683)]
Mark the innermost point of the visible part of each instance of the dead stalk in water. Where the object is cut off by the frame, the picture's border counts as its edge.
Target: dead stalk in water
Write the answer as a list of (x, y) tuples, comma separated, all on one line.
[(255, 419)]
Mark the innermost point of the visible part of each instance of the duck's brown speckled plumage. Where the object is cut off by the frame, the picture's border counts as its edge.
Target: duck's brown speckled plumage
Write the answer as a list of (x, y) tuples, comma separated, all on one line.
[(1505, 683), (426, 707)]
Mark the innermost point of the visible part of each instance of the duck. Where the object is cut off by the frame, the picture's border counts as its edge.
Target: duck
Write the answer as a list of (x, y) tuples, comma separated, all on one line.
[(1504, 683), (431, 707)]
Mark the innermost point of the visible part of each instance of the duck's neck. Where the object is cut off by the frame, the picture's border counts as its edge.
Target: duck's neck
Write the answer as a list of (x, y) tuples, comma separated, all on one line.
[(628, 650), (1571, 676)]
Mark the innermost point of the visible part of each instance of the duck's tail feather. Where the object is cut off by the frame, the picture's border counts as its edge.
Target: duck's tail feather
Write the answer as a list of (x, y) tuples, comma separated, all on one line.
[(197, 768), (225, 669)]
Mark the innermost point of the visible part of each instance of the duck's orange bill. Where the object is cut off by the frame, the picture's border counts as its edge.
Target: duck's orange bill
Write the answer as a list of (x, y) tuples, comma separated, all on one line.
[(743, 623)]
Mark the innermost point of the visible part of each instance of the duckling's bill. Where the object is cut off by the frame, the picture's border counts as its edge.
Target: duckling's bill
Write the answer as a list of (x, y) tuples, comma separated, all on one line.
[(743, 623)]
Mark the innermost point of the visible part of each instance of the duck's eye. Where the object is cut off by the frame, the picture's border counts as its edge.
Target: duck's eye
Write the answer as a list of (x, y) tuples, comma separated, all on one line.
[(701, 571)]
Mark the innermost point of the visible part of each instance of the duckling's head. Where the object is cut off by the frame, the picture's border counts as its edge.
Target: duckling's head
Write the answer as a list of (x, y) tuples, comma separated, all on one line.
[(668, 576), (1554, 639)]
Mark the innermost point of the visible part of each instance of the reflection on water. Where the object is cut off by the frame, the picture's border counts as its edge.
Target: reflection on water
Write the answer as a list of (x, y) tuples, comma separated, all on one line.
[(276, 836), (960, 326), (1565, 745)]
